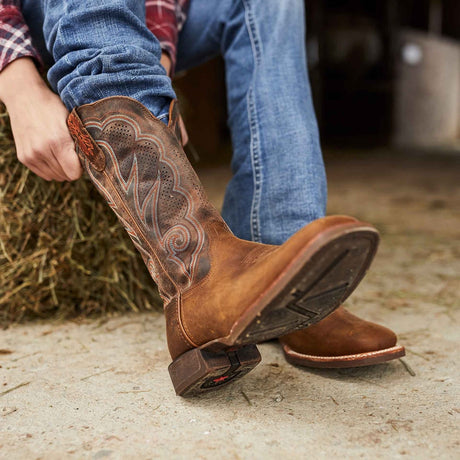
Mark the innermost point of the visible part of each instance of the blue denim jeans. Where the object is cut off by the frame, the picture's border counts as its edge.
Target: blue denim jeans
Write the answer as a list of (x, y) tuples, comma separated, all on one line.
[(103, 48)]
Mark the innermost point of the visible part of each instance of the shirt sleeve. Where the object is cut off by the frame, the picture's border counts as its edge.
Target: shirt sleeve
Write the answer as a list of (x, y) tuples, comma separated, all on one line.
[(15, 40), (165, 19)]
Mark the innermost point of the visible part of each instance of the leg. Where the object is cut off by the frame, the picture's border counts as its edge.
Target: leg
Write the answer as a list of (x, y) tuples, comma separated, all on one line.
[(278, 182), (218, 301), (100, 49)]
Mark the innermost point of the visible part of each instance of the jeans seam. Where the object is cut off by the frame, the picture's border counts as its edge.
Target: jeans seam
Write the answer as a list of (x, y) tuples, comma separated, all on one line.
[(253, 125)]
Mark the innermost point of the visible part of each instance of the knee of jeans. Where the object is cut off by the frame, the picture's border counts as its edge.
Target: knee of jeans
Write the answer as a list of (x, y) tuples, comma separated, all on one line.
[(93, 24)]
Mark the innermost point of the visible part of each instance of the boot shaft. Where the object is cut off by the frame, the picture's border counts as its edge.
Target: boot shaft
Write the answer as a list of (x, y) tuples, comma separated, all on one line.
[(138, 165)]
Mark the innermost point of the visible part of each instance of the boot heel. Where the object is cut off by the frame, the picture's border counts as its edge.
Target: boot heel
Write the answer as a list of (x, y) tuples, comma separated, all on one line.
[(197, 371)]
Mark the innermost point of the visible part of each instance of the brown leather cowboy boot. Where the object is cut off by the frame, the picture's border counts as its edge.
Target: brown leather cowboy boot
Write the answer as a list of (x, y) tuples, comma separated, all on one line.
[(341, 340), (221, 294)]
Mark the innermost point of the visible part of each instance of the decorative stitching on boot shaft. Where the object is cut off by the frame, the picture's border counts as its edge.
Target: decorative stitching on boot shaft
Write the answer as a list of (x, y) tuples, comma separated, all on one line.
[(152, 188)]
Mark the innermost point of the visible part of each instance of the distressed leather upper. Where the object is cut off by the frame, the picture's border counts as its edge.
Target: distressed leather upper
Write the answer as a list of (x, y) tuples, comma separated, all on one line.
[(339, 334), (207, 277), (138, 165)]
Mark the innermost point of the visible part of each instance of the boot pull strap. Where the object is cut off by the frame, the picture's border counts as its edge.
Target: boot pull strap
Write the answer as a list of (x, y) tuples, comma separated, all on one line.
[(174, 120), (85, 145)]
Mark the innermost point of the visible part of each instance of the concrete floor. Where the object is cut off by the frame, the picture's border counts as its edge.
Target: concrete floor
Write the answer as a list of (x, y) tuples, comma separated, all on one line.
[(100, 389)]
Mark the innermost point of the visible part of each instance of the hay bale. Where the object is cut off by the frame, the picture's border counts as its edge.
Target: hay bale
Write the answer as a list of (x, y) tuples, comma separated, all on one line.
[(62, 251)]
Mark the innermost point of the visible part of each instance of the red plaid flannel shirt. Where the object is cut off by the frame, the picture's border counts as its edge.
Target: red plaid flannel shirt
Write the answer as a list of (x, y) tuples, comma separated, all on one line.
[(164, 18)]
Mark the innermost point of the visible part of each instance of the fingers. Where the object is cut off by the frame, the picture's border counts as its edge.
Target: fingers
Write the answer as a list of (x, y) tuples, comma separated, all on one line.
[(39, 159), (63, 149), (43, 142), (55, 168), (52, 162), (52, 159), (67, 159), (38, 167)]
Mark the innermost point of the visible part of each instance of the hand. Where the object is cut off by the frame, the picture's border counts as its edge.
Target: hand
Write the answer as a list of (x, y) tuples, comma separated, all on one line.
[(38, 121)]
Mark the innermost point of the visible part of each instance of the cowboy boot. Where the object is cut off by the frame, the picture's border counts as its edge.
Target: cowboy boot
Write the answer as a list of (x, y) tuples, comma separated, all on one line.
[(221, 294), (341, 340)]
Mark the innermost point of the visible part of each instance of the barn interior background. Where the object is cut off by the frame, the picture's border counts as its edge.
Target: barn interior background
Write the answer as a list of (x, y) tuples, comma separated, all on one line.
[(383, 73)]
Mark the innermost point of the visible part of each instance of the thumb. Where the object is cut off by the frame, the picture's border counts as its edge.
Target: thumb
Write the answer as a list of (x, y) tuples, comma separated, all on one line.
[(69, 160)]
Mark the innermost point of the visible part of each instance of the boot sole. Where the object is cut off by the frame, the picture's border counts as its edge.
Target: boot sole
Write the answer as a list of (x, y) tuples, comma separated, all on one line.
[(340, 362), (311, 287), (198, 371)]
